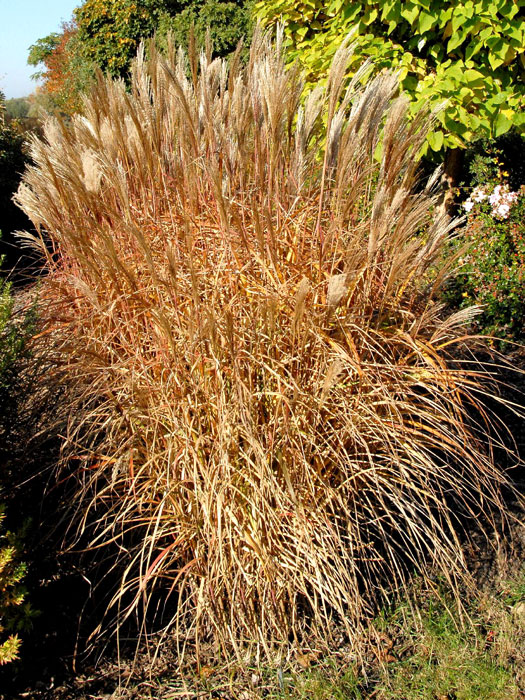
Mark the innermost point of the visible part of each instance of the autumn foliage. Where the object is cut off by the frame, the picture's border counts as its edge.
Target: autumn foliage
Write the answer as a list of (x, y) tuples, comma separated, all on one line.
[(66, 72)]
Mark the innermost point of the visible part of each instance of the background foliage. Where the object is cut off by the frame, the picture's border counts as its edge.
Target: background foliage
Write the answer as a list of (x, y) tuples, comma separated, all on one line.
[(469, 54), (17, 107), (67, 69), (12, 163), (106, 34), (15, 611), (109, 30), (226, 21)]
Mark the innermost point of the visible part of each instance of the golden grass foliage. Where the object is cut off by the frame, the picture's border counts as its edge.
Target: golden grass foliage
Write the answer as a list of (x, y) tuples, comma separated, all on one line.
[(270, 425)]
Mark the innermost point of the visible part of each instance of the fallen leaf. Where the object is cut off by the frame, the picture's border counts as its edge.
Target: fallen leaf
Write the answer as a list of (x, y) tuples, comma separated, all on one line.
[(306, 659)]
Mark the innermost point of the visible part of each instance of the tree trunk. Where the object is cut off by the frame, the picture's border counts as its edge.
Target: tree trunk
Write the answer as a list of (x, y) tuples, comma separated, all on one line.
[(452, 172)]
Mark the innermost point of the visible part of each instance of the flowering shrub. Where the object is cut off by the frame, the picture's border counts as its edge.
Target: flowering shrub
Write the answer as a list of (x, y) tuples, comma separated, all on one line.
[(493, 270), (501, 200)]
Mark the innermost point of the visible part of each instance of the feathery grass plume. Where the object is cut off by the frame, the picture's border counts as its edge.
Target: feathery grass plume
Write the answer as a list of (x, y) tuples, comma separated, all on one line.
[(272, 427)]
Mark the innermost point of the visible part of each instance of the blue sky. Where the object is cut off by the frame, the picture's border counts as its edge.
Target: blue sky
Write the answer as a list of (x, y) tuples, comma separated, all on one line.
[(22, 22)]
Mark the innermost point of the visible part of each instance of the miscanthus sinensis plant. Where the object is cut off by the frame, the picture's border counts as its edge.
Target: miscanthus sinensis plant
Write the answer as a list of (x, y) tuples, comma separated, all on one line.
[(271, 427)]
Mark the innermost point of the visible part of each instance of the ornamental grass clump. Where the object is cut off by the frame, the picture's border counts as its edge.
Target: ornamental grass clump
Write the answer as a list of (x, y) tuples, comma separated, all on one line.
[(268, 421)]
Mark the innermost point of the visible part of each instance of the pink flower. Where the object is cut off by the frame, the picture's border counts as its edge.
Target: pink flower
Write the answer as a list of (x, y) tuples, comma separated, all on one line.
[(494, 198), (467, 206), (502, 200), (501, 211), (478, 195)]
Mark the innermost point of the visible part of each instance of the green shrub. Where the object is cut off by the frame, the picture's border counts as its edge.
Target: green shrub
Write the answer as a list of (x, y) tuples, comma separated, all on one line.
[(269, 425), (17, 107), (11, 339), (225, 22), (492, 272), (14, 335), (110, 30), (15, 613)]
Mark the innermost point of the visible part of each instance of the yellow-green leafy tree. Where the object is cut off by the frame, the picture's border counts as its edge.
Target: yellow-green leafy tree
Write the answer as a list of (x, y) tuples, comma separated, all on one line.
[(469, 54)]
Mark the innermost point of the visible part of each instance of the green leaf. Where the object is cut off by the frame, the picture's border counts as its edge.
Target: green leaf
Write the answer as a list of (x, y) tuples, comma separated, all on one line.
[(516, 31), (410, 12), (509, 9), (499, 98), (466, 95), (387, 9), (455, 72), (472, 49), (369, 16), (490, 108), (436, 51), (445, 16), (445, 85), (410, 84), (425, 21), (473, 77), (484, 124), (435, 139), (378, 152), (494, 61), (501, 124), (455, 124), (351, 11), (486, 33), (496, 45), (457, 21), (456, 40), (475, 122), (423, 150)]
